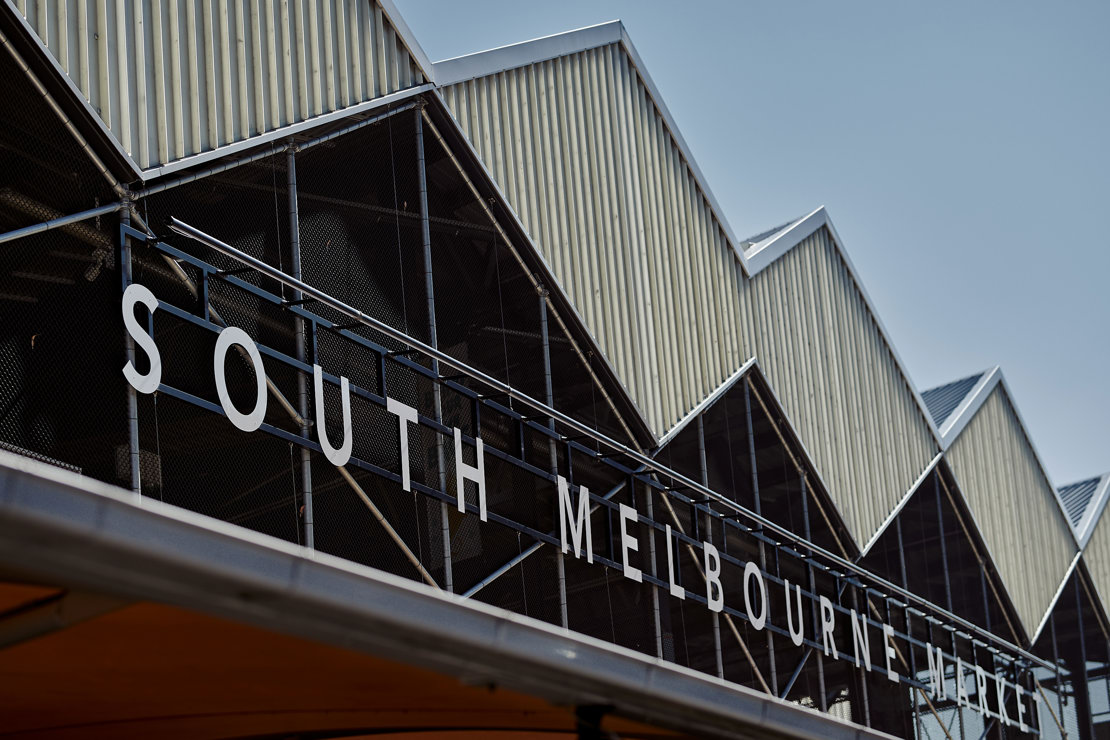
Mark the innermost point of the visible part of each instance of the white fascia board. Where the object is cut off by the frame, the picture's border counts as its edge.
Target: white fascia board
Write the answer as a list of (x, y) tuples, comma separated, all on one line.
[(409, 38), (706, 403), (515, 56), (74, 91), (900, 505), (525, 53), (763, 253), (1055, 598), (965, 412), (299, 128), (749, 367), (775, 246), (1094, 511), (555, 285), (119, 543)]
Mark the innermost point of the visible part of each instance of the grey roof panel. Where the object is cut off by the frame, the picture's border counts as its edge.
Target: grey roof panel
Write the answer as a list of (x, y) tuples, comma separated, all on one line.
[(1076, 497), (943, 400)]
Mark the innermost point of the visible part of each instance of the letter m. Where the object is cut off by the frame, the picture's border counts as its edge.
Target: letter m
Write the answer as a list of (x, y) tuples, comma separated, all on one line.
[(936, 671), (579, 523)]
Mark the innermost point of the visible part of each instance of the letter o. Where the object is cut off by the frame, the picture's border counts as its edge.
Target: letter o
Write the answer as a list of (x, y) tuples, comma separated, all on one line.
[(759, 622), (247, 422)]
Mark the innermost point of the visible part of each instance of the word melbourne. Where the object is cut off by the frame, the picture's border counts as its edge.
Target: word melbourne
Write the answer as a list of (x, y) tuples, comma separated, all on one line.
[(575, 530)]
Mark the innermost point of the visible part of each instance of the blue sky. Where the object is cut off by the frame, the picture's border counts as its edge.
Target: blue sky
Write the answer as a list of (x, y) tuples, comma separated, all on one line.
[(961, 149)]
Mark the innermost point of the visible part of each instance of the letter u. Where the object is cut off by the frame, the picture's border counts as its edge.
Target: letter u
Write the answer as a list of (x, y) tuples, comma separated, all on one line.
[(795, 634), (341, 455)]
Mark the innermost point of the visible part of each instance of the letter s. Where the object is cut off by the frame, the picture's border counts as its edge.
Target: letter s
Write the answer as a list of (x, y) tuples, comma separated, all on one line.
[(148, 383)]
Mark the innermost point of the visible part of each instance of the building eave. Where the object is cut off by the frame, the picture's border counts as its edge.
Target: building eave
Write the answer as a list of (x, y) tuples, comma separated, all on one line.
[(61, 527)]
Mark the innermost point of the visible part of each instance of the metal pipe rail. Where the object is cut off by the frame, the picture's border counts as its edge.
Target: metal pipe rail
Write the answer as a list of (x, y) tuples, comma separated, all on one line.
[(649, 464), (56, 223)]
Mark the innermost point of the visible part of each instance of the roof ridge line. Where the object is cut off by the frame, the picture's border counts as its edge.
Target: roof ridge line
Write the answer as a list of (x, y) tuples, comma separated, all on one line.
[(514, 56)]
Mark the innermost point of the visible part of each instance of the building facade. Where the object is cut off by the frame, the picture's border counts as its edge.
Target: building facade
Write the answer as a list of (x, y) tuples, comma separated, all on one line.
[(345, 393)]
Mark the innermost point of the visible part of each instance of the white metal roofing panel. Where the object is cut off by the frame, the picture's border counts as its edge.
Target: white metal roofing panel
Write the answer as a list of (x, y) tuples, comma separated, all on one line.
[(1013, 505), (1096, 556), (585, 157), (818, 344), (174, 79)]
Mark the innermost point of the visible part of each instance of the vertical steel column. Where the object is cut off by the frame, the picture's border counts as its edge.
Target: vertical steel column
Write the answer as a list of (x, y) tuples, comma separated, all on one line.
[(549, 399), (943, 545), (961, 678), (132, 394), (906, 613), (861, 675), (759, 512), (650, 508), (704, 466), (299, 330), (1083, 693), (823, 703), (1056, 665), (437, 398)]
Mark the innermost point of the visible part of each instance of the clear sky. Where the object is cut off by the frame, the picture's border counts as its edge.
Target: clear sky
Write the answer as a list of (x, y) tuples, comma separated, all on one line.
[(961, 149)]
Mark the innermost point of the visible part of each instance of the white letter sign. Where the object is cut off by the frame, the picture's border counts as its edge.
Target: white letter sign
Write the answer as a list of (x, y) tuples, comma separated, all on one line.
[(405, 415), (148, 383), (579, 524), (464, 472), (629, 543), (341, 455), (247, 422), (714, 594)]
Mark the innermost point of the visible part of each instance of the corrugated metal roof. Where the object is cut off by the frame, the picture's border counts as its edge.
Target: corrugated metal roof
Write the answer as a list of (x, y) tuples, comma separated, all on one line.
[(944, 399), (1013, 506), (654, 183), (176, 83)]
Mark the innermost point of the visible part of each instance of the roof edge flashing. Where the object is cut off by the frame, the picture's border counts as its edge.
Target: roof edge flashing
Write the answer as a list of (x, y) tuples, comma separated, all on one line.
[(514, 56), (1055, 598), (523, 53), (967, 408), (76, 97), (764, 253), (393, 14), (1091, 517), (703, 405), (751, 367), (771, 249), (900, 505), (687, 154)]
